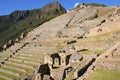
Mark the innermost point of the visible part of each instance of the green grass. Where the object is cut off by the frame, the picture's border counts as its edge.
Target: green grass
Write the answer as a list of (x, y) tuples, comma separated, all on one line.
[(99, 51), (59, 46), (102, 37), (2, 79), (68, 79), (25, 59), (9, 75), (33, 56), (27, 69), (16, 71), (105, 75), (23, 63)]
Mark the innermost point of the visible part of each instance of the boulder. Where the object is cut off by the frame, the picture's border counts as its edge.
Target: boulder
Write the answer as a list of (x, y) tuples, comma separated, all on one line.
[(6, 46), (17, 39), (11, 42), (22, 35)]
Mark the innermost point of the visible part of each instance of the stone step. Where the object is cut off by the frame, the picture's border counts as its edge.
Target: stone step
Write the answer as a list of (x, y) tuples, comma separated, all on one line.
[(15, 68), (5, 78), (9, 72), (18, 64), (24, 61)]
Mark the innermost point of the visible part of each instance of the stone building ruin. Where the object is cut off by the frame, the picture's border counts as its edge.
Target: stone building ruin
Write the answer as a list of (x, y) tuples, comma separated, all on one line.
[(56, 59), (43, 72), (76, 57)]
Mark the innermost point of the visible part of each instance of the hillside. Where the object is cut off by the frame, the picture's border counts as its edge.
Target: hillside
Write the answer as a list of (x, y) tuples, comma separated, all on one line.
[(18, 22), (83, 44)]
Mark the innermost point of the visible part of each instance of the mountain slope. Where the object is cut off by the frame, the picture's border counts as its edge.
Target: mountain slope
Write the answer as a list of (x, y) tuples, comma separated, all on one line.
[(18, 22), (91, 33)]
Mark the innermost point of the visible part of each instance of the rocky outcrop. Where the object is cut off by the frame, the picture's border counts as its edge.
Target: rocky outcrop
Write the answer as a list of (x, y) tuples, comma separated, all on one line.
[(53, 6)]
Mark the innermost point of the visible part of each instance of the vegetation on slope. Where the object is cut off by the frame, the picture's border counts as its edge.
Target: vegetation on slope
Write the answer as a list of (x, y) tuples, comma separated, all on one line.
[(18, 22)]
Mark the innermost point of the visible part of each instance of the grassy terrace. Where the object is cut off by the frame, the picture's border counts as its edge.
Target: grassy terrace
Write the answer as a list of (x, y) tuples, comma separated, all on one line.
[(106, 34), (32, 53), (99, 40), (28, 59), (105, 75), (22, 74), (27, 69), (8, 75), (32, 56), (36, 59), (2, 79), (101, 37), (33, 65)]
